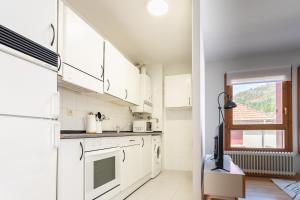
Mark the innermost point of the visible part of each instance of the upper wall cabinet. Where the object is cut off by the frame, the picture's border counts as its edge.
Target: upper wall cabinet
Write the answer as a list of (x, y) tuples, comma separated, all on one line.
[(121, 77), (82, 52), (178, 91), (132, 83), (145, 105), (115, 65), (38, 24)]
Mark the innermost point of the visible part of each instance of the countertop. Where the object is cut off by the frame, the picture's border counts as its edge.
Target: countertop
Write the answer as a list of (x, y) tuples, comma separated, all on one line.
[(82, 134)]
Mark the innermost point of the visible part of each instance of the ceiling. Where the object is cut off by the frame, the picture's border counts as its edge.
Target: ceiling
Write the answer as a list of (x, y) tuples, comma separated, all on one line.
[(240, 28), (138, 35)]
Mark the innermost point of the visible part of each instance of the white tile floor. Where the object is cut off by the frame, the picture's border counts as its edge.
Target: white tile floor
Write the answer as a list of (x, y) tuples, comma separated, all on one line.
[(169, 185)]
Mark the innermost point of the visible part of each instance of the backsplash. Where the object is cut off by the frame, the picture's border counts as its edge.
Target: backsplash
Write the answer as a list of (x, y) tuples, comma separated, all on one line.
[(74, 107)]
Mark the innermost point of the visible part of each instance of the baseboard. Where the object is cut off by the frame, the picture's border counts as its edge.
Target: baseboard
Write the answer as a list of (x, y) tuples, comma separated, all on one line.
[(131, 189), (297, 176)]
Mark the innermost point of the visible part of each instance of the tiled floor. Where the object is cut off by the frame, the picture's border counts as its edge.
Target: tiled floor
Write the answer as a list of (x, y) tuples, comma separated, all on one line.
[(169, 185)]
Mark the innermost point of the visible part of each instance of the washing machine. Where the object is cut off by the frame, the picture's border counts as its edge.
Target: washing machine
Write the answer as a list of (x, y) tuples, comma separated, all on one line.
[(156, 156)]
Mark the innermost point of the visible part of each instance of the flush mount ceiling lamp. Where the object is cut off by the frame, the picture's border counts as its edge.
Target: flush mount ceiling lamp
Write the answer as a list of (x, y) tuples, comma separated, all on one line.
[(157, 7)]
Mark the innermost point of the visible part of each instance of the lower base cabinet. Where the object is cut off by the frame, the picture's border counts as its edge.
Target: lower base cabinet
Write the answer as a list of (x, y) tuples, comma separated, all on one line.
[(135, 167), (145, 156), (71, 170), (130, 166)]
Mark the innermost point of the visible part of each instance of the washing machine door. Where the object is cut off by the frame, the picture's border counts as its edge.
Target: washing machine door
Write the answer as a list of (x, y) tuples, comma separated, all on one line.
[(158, 153), (156, 162)]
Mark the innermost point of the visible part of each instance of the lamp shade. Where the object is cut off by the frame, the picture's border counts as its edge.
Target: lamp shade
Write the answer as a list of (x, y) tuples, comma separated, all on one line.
[(230, 104)]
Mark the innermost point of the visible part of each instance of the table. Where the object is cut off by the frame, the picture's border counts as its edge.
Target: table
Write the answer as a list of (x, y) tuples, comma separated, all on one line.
[(220, 184)]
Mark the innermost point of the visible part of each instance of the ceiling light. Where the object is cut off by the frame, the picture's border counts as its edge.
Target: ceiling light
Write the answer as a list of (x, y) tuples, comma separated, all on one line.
[(157, 7)]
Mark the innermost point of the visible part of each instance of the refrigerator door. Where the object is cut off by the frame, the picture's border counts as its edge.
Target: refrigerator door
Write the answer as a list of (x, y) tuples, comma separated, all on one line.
[(28, 153), (27, 89)]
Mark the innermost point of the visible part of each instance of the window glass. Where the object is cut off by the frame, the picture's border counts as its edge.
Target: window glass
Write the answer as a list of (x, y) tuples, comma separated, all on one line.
[(257, 139), (257, 103)]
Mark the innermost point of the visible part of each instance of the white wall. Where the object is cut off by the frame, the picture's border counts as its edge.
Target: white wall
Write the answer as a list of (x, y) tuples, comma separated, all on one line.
[(215, 84), (177, 136), (198, 94), (74, 107)]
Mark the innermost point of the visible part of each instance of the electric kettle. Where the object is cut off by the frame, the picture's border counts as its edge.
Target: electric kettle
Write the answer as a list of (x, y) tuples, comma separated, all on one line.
[(91, 124)]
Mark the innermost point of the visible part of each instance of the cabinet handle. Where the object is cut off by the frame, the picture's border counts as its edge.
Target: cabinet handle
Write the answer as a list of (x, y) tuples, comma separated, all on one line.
[(81, 151), (189, 101), (126, 93), (108, 86), (143, 142), (53, 37), (102, 71), (124, 155), (60, 63), (131, 140)]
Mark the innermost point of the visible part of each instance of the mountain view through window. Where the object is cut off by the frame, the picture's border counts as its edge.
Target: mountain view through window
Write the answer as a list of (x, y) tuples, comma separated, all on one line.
[(257, 103)]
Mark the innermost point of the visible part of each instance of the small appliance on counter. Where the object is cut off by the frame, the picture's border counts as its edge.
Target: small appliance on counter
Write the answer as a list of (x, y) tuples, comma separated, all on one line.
[(140, 126), (94, 122), (91, 126)]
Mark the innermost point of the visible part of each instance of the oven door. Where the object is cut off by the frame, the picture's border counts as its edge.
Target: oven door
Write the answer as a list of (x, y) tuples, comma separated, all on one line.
[(102, 174)]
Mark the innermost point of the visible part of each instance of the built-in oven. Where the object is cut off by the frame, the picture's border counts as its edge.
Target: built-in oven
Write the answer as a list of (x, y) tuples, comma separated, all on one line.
[(102, 173)]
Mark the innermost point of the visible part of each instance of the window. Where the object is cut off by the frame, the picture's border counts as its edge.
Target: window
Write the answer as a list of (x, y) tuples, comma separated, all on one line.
[(262, 118)]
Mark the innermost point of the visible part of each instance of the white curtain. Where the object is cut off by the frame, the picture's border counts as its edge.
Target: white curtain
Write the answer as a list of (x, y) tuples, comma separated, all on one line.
[(260, 75)]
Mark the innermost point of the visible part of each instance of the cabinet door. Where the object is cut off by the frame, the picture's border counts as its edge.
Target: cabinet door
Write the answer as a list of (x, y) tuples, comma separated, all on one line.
[(33, 19), (148, 89), (178, 84), (114, 65), (82, 45), (132, 84), (129, 166), (71, 170), (145, 156)]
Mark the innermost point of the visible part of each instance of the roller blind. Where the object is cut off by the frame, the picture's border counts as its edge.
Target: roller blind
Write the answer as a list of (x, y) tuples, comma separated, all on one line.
[(260, 75)]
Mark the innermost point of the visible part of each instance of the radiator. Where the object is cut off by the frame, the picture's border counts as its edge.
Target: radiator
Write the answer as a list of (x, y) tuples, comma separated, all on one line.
[(272, 163)]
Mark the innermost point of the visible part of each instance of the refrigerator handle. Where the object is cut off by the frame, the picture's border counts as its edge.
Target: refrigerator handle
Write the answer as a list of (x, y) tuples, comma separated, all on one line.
[(55, 105), (56, 134)]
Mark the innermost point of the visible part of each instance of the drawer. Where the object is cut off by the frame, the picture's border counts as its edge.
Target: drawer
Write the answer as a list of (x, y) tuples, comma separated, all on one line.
[(130, 140), (101, 143)]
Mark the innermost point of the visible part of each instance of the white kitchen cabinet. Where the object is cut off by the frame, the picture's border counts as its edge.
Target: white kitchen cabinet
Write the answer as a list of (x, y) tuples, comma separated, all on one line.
[(178, 91), (82, 50), (148, 88), (114, 65), (145, 105), (130, 166), (145, 156), (33, 19), (121, 76), (132, 84), (71, 170)]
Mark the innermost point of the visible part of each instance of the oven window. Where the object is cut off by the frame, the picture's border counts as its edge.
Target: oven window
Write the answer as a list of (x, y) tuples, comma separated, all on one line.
[(104, 171)]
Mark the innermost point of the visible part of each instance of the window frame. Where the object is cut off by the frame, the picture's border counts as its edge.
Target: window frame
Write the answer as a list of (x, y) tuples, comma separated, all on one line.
[(286, 124)]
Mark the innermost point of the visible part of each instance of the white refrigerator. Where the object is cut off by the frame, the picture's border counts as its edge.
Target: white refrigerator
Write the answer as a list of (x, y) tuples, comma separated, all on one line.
[(29, 130)]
